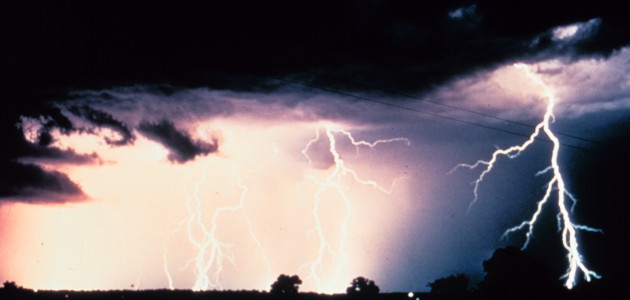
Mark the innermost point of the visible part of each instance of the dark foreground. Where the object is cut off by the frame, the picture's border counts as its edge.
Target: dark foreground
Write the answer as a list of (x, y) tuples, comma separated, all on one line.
[(185, 295), (256, 295)]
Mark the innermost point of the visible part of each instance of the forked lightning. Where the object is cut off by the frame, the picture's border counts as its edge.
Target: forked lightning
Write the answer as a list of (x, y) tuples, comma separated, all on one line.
[(556, 185)]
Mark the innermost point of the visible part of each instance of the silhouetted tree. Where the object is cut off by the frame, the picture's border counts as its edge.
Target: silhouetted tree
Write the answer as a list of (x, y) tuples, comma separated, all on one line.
[(451, 287), (286, 285), (11, 290), (10, 285), (362, 286), (511, 274)]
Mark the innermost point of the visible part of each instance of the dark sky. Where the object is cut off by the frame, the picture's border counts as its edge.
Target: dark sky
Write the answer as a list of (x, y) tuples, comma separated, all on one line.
[(401, 46), (391, 51)]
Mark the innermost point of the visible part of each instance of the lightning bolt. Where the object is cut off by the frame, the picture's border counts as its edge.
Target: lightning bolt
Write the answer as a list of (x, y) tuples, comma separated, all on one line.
[(169, 277), (555, 185), (334, 182), (212, 253), (269, 276)]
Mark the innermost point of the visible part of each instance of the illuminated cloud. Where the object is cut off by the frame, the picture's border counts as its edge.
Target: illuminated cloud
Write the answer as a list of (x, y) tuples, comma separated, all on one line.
[(575, 32), (583, 86), (463, 12), (40, 144), (590, 85), (146, 109)]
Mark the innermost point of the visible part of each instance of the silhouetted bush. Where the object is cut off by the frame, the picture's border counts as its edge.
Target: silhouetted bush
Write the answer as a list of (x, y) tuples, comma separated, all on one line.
[(451, 287), (11, 286), (11, 290), (286, 285), (511, 274), (362, 286)]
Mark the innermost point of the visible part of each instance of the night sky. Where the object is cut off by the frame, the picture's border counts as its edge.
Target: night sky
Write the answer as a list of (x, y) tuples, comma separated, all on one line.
[(217, 146)]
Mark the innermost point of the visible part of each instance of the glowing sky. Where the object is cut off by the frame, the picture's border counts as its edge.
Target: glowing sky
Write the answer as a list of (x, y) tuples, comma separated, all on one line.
[(141, 200), (146, 185)]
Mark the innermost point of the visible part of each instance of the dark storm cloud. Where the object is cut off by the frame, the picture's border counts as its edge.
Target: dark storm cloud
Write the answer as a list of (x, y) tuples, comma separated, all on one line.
[(31, 183), (181, 146), (19, 179), (103, 119), (22, 181), (130, 104), (41, 146), (410, 45), (52, 49), (56, 155)]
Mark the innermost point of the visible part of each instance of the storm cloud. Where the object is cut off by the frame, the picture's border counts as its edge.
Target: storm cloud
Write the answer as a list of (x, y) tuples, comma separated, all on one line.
[(33, 184), (374, 47), (402, 46), (102, 119), (29, 142), (132, 78), (181, 146), (406, 45)]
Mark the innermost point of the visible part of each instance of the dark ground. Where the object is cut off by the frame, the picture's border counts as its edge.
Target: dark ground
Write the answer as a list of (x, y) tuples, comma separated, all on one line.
[(180, 295), (256, 295)]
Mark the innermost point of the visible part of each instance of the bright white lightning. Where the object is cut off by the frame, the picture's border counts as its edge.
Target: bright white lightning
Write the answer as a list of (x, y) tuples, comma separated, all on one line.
[(334, 182), (211, 251), (169, 277), (556, 184)]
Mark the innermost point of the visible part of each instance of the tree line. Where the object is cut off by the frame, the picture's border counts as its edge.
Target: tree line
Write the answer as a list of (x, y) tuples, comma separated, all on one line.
[(509, 274)]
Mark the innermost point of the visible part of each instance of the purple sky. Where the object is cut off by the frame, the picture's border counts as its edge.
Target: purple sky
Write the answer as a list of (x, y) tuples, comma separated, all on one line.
[(216, 152)]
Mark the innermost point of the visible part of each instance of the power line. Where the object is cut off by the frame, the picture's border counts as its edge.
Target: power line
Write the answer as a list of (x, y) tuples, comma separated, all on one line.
[(415, 110), (460, 109)]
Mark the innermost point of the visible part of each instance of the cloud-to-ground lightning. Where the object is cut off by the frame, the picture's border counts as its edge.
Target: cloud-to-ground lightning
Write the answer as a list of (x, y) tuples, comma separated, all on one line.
[(556, 184), (211, 252), (334, 182), (263, 253), (169, 277)]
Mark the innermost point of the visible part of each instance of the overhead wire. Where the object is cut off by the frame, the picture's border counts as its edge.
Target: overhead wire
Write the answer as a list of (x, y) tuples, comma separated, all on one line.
[(453, 107), (432, 114)]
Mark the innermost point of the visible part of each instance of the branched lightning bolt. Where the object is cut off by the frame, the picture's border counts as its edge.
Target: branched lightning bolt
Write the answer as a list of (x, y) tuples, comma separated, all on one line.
[(556, 184), (211, 251), (333, 182)]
